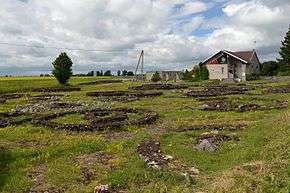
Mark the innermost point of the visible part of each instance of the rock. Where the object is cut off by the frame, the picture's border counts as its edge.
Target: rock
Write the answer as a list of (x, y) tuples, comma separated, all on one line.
[(102, 189), (206, 145), (194, 171)]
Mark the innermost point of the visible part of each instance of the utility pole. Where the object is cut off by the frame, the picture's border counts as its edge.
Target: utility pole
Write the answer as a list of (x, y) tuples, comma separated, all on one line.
[(140, 61)]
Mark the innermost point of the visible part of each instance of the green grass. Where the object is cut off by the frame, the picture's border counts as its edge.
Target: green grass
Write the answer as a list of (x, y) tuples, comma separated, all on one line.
[(264, 143)]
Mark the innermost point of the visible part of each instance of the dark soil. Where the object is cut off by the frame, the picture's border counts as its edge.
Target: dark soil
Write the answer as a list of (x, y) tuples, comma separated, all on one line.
[(277, 90), (210, 141), (101, 82), (214, 91), (211, 127), (150, 151), (226, 105), (99, 119), (8, 118), (159, 87), (57, 89), (124, 94), (46, 97), (5, 97)]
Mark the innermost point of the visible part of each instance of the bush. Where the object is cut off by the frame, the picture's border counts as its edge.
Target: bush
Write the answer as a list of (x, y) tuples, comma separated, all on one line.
[(269, 68), (250, 77), (156, 77), (62, 68)]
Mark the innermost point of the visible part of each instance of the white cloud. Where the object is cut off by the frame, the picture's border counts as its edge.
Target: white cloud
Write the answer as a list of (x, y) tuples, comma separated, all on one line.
[(163, 28)]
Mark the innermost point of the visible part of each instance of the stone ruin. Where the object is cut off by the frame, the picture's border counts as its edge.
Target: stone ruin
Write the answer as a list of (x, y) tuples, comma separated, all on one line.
[(159, 87), (227, 105), (98, 119), (213, 91), (209, 141)]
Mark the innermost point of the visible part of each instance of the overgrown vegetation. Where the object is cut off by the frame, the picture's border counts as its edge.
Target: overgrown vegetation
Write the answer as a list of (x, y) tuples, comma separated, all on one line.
[(34, 158)]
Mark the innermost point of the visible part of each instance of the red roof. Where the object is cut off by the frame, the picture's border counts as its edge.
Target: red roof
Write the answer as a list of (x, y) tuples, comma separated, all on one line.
[(245, 55)]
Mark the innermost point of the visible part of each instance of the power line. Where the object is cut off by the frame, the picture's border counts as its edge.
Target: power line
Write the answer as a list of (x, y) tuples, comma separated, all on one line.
[(65, 48)]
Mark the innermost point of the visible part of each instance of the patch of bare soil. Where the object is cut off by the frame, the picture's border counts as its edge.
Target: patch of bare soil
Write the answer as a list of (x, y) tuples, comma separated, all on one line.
[(277, 90), (214, 91), (209, 141), (57, 89), (39, 183), (226, 105), (149, 151), (98, 119), (101, 82), (159, 87), (87, 163)]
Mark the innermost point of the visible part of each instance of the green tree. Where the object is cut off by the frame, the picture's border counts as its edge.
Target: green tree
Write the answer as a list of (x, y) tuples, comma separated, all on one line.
[(269, 68), (200, 72), (124, 73), (119, 73), (187, 75), (284, 60), (130, 73), (62, 68), (108, 73), (156, 77)]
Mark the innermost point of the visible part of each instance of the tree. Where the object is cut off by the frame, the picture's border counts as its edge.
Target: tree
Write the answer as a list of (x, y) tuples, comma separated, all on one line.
[(124, 73), (62, 68), (284, 61), (108, 73), (91, 73), (187, 75), (156, 77), (200, 72), (269, 68), (130, 73), (119, 73)]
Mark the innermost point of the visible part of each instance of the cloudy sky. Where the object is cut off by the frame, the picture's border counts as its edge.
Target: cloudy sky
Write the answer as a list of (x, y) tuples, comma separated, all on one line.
[(109, 34)]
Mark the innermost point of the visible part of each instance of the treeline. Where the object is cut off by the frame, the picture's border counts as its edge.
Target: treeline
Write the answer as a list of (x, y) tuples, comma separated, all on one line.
[(107, 73)]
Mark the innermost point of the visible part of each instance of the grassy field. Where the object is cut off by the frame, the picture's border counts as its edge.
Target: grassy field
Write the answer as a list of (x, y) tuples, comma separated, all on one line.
[(44, 159)]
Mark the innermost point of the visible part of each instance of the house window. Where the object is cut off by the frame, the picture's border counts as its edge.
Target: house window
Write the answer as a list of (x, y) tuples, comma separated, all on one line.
[(223, 70)]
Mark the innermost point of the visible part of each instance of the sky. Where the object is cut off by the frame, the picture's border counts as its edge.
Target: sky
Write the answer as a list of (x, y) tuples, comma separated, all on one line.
[(110, 34)]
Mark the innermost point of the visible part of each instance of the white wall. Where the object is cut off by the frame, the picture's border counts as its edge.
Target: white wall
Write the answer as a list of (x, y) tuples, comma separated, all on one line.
[(218, 71)]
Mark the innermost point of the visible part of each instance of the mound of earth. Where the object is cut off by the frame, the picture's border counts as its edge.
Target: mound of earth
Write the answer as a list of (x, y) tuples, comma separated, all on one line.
[(276, 90), (46, 97), (5, 97), (214, 91), (150, 151), (209, 141), (127, 94), (57, 89), (13, 118), (158, 87), (184, 128), (225, 105), (101, 82), (98, 119)]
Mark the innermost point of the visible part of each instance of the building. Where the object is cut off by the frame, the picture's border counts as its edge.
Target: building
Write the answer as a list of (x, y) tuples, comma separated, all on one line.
[(165, 75), (232, 65)]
